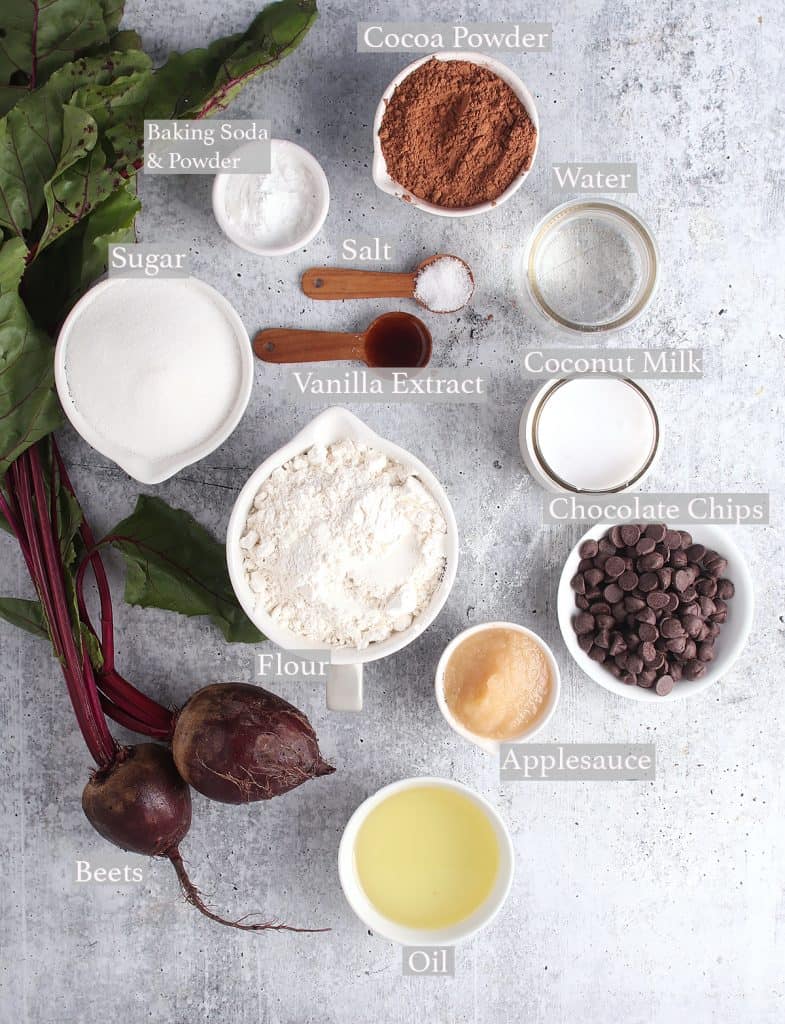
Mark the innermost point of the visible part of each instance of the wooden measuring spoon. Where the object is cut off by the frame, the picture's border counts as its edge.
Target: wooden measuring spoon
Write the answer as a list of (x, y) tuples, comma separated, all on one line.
[(347, 283), (393, 339)]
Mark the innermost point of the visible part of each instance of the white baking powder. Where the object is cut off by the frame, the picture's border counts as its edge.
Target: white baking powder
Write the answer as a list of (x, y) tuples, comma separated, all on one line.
[(277, 209), (344, 546)]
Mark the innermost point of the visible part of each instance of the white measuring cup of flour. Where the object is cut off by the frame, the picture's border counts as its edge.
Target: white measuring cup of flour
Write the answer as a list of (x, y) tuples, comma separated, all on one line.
[(345, 672)]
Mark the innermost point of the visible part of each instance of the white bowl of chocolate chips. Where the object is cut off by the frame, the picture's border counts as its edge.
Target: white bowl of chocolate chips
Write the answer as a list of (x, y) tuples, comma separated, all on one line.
[(654, 612)]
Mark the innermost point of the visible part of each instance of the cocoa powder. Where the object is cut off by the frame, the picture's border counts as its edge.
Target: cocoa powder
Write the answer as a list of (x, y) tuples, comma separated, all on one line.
[(455, 134)]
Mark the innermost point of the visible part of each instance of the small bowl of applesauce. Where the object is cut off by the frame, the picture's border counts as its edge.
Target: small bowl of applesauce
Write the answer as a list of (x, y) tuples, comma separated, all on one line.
[(497, 683)]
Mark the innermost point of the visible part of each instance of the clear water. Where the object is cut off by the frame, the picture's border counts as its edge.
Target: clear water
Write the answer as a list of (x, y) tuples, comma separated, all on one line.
[(589, 270)]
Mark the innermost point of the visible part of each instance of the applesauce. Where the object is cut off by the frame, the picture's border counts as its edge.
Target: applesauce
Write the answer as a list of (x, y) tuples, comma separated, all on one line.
[(497, 683)]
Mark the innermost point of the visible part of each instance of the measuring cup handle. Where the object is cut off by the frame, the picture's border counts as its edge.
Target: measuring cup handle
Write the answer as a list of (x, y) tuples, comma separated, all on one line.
[(345, 687)]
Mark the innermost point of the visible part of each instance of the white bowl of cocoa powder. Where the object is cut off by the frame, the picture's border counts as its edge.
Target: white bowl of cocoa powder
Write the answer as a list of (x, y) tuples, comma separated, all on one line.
[(455, 134)]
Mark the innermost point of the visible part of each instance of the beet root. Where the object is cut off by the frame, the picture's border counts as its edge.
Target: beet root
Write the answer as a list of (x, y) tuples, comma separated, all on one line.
[(141, 803), (238, 743)]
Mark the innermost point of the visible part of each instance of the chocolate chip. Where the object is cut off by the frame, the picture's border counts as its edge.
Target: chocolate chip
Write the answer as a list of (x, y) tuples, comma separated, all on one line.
[(646, 681), (617, 646), (725, 590), (581, 602), (628, 580), (578, 583), (706, 651), (678, 559), (614, 567), (665, 576), (676, 645), (648, 632), (707, 606), (597, 654), (645, 546), (654, 560), (694, 669), (613, 593), (615, 537), (583, 623), (696, 552), (648, 581), (603, 638), (672, 539), (599, 608), (588, 549), (646, 615), (708, 587), (673, 602), (671, 628), (664, 685), (682, 579), (606, 547), (692, 624), (634, 664), (685, 539), (593, 577), (657, 532), (658, 600), (631, 535), (715, 566), (649, 653), (633, 603)]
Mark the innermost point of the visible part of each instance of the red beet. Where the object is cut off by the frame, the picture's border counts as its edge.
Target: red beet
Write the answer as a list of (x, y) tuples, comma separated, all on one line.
[(237, 743), (141, 803)]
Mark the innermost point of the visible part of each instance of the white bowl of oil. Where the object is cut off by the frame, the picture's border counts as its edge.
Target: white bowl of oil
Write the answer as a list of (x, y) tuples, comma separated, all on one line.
[(426, 862)]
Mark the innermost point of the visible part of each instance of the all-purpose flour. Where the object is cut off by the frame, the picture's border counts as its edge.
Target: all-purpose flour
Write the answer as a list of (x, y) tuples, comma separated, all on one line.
[(344, 546)]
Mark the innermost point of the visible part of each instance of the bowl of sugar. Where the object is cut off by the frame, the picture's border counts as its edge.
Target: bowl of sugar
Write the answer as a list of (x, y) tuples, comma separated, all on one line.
[(154, 373)]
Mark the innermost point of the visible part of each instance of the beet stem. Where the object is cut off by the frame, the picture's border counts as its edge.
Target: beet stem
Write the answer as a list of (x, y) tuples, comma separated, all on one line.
[(128, 721), (84, 697), (194, 897), (152, 718)]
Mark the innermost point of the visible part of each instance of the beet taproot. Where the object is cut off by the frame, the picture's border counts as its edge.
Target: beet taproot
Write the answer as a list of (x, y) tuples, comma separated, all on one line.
[(237, 743)]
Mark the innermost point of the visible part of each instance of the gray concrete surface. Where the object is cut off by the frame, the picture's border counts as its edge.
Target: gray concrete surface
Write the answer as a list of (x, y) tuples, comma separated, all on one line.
[(645, 902)]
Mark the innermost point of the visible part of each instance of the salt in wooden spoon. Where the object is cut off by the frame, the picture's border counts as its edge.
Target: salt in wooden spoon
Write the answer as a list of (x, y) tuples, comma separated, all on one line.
[(348, 283)]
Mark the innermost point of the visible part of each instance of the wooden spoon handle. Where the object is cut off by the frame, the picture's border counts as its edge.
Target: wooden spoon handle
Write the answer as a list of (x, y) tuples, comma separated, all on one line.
[(340, 283), (281, 345)]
